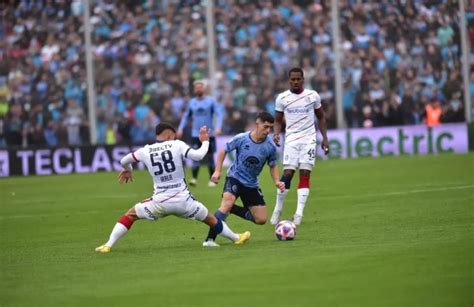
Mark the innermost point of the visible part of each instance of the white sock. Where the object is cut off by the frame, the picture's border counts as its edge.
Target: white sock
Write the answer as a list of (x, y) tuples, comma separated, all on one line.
[(228, 233), (119, 231), (280, 199), (303, 194)]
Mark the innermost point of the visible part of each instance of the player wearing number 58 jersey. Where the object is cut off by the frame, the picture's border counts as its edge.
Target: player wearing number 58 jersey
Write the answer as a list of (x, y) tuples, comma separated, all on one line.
[(298, 106), (164, 161)]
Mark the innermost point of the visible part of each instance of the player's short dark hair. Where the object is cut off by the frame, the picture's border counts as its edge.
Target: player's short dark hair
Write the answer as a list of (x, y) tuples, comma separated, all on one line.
[(265, 117), (296, 69), (164, 126)]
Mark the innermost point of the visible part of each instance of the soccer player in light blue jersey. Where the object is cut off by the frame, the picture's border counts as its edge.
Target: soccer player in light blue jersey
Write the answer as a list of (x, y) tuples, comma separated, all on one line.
[(253, 150), (202, 110)]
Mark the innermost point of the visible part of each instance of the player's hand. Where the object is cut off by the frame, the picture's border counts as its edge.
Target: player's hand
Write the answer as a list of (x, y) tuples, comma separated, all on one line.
[(125, 176), (281, 186), (218, 131), (179, 133), (325, 146), (203, 134), (276, 139), (215, 177)]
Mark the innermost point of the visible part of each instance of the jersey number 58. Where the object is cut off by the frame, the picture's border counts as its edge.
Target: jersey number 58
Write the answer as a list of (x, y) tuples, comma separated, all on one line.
[(167, 165)]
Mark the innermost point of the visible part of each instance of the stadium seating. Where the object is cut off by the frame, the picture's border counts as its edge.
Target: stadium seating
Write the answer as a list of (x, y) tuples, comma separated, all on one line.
[(397, 59)]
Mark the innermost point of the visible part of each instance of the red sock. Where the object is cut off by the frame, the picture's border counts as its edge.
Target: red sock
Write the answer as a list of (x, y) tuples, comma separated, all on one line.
[(126, 221), (304, 182)]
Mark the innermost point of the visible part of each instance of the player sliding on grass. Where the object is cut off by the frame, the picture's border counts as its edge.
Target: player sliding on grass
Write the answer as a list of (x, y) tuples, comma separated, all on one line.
[(298, 106), (164, 161), (253, 150)]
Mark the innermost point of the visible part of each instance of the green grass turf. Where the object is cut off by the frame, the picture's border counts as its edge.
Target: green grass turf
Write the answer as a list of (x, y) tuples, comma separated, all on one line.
[(377, 232)]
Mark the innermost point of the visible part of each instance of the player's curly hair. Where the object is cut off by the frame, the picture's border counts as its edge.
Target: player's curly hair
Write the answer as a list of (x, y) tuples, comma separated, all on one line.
[(164, 126), (296, 69)]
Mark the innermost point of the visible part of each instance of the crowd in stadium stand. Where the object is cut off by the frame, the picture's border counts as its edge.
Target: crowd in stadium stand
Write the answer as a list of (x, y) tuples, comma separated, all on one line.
[(400, 60)]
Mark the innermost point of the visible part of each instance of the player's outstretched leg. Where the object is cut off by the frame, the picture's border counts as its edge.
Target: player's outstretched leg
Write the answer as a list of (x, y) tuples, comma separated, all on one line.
[(303, 193), (280, 199), (243, 237), (120, 229), (219, 227), (242, 212), (213, 230)]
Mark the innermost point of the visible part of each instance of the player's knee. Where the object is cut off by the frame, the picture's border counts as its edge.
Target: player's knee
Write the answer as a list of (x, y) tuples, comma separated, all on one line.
[(260, 220), (305, 173), (132, 214), (288, 173)]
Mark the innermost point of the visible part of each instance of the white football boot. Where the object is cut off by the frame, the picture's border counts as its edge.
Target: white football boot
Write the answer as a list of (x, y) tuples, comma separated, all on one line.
[(210, 243), (275, 217), (211, 184), (297, 219)]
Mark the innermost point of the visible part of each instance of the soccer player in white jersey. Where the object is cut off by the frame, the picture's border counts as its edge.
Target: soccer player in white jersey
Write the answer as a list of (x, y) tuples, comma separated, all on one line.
[(298, 106), (164, 161)]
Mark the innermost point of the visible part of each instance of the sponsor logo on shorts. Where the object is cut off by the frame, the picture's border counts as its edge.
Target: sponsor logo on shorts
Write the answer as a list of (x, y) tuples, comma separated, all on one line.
[(150, 215), (194, 213)]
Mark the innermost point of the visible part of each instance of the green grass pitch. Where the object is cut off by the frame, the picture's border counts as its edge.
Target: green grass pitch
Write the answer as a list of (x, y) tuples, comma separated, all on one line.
[(377, 232)]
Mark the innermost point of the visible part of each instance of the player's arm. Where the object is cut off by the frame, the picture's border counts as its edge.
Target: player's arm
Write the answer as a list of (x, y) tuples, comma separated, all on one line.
[(184, 120), (323, 128), (277, 127), (218, 170), (231, 145), (279, 108), (199, 154), (125, 175), (274, 172)]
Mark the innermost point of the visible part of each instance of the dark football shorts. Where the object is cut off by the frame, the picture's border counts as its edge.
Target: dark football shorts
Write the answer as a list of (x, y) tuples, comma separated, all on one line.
[(196, 143), (250, 196), (208, 158)]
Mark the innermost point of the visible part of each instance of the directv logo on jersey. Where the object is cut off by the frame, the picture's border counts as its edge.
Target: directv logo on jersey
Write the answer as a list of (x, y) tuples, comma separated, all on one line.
[(159, 148), (298, 110)]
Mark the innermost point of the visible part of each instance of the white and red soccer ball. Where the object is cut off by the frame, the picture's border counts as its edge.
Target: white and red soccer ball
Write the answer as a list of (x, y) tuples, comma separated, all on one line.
[(285, 230)]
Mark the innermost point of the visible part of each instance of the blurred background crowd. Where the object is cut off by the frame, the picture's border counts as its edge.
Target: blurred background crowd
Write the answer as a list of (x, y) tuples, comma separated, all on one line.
[(401, 59)]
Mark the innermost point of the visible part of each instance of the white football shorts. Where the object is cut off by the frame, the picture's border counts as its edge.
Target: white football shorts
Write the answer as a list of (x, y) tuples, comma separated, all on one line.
[(181, 205), (299, 155)]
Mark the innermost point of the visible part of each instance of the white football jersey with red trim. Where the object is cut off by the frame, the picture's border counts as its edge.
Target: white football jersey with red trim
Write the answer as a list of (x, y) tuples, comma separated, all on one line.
[(299, 114), (164, 161)]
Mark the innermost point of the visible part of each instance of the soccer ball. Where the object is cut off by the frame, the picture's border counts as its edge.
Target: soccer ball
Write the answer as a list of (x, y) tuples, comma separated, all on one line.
[(285, 230)]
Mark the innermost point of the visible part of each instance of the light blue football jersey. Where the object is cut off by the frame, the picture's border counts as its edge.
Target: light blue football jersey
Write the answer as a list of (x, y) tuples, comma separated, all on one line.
[(250, 158), (202, 112)]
